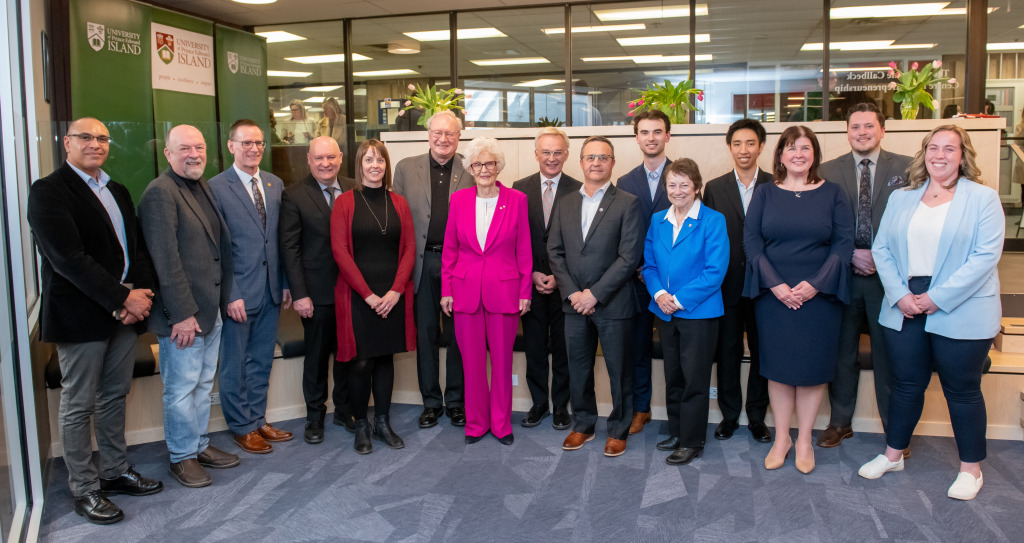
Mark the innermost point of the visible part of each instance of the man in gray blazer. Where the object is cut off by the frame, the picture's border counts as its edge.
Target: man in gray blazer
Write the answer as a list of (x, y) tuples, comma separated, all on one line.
[(594, 245), (250, 202), (868, 175), (191, 251), (427, 182)]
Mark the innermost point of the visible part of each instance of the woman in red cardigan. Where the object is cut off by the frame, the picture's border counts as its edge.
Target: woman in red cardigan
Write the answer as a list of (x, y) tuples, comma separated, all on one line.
[(373, 243)]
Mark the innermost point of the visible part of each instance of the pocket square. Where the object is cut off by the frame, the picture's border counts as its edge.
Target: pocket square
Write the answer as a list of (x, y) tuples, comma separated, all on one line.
[(897, 181)]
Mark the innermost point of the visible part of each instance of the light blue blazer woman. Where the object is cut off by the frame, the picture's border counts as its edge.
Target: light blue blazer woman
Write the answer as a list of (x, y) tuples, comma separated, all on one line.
[(692, 268), (965, 281)]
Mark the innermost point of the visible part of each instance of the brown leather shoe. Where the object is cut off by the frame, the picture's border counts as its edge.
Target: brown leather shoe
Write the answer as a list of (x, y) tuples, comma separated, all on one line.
[(615, 447), (272, 434), (189, 473), (833, 436), (639, 420), (253, 443), (576, 440), (212, 457), (906, 452)]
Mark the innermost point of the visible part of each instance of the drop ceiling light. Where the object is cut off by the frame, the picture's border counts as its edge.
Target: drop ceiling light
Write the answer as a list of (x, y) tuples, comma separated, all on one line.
[(894, 10), (1006, 46), (277, 36), (604, 28), (322, 88), (510, 61), (873, 45), (662, 40), (861, 69), (382, 73), (539, 83), (314, 100), (662, 12), (463, 34), (324, 59), (647, 59), (403, 47), (255, 1), (282, 73)]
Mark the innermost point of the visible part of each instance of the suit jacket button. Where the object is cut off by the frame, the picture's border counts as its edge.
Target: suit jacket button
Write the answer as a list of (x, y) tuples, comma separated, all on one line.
[(264, 262), (216, 259), (217, 284)]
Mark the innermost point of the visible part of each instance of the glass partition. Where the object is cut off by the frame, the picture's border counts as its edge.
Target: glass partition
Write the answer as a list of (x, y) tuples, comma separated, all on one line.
[(1004, 88)]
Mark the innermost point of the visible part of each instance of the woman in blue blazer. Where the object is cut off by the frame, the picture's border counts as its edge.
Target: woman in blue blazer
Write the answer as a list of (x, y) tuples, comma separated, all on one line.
[(936, 252), (686, 254)]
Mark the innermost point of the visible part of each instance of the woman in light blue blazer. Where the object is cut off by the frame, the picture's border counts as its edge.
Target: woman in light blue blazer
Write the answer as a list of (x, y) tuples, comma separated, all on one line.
[(936, 252), (686, 254)]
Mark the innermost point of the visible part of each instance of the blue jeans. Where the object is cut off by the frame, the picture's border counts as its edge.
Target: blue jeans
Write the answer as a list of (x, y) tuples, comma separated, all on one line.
[(188, 379)]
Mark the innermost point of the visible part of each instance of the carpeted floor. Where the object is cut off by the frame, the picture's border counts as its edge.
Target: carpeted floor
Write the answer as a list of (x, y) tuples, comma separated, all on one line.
[(439, 489)]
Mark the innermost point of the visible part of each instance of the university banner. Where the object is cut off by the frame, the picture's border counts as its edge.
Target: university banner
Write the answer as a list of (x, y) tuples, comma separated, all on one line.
[(242, 83)]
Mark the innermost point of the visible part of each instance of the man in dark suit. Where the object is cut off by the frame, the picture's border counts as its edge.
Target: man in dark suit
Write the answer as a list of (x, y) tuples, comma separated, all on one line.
[(191, 252), (544, 324), (305, 238), (250, 202), (96, 289), (647, 182), (730, 195), (868, 175), (427, 182), (594, 245)]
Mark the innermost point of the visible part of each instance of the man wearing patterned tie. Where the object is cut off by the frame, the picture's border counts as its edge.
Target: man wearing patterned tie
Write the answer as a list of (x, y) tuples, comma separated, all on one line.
[(250, 202), (869, 175)]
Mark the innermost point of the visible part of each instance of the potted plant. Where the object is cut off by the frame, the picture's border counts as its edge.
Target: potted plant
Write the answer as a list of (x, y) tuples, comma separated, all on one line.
[(911, 87), (673, 100), (430, 100)]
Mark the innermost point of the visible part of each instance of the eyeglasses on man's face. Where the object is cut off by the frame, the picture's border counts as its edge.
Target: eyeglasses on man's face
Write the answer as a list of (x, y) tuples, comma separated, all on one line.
[(480, 166), (552, 154), (603, 159), (446, 134), (88, 138), (247, 144)]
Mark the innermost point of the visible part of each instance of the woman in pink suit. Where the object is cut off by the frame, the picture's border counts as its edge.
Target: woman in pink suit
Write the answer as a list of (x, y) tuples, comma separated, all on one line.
[(486, 280)]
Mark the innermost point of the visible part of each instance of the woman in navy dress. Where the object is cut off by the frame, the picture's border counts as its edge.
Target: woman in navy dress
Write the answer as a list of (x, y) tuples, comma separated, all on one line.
[(798, 237)]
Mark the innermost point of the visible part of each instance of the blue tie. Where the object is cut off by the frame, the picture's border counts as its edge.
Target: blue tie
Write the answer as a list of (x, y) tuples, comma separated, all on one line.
[(652, 182)]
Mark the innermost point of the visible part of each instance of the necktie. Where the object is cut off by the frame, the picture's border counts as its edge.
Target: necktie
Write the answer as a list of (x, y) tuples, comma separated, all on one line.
[(257, 198), (652, 181), (549, 199), (863, 237), (330, 196)]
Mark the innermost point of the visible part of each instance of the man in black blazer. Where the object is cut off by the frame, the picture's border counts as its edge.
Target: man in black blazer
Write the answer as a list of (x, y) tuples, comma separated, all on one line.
[(730, 195), (96, 290), (305, 239), (594, 245), (544, 324), (868, 175)]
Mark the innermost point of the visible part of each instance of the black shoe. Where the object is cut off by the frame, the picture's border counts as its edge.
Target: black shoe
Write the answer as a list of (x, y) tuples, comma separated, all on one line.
[(131, 483), (473, 439), (536, 414), (760, 432), (507, 440), (363, 443), (670, 444), (429, 417), (314, 432), (561, 420), (684, 455), (457, 416), (348, 421), (382, 431), (725, 429), (97, 509)]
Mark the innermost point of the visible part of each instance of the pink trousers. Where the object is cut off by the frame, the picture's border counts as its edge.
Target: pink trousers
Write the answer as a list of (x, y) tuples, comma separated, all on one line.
[(488, 407)]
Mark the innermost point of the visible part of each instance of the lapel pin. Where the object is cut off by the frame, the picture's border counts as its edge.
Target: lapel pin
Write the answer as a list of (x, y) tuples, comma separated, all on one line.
[(600, 209)]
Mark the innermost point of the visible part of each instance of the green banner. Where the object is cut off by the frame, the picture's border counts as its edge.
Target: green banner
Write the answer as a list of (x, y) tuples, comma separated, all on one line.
[(242, 83)]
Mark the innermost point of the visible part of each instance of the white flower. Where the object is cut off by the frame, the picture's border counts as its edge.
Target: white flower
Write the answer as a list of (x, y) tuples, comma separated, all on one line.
[(937, 64), (411, 87)]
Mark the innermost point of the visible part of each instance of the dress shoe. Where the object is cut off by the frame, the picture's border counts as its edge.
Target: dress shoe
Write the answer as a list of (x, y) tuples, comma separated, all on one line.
[(614, 447), (775, 460), (97, 509), (805, 465), (640, 418), (382, 431), (965, 487), (879, 466), (684, 455), (725, 429), (473, 439), (363, 443), (507, 440), (314, 433), (670, 444), (457, 416), (906, 452), (759, 431), (189, 473), (536, 414), (428, 419), (253, 443), (834, 435), (561, 420), (131, 483), (576, 440), (346, 420), (215, 458), (274, 435)]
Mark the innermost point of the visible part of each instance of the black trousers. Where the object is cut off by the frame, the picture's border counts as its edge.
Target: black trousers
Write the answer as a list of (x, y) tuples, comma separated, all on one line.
[(430, 324), (320, 333), (543, 334), (737, 319), (616, 335), (689, 348)]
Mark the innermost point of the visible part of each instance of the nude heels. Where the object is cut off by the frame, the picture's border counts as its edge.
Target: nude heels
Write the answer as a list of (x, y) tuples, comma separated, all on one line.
[(805, 466), (774, 462)]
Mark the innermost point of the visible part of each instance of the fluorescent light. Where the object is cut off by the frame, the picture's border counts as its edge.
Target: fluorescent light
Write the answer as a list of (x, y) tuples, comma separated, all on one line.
[(315, 100), (324, 59), (894, 10), (606, 59), (873, 45), (663, 12), (378, 73), (462, 34), (863, 69), (255, 1), (324, 88), (277, 36), (647, 59), (511, 61), (539, 83), (281, 73), (959, 11), (360, 120), (662, 40), (359, 92), (1006, 46), (282, 115), (605, 28)]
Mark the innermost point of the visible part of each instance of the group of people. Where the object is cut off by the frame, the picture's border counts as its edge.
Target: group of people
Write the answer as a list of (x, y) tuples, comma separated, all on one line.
[(793, 263)]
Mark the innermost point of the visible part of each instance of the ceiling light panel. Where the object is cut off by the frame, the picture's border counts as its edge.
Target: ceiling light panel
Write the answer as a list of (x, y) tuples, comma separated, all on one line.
[(602, 28), (662, 40), (282, 73), (658, 12), (539, 83), (463, 34), (278, 36), (383, 73), (323, 88), (325, 59), (510, 61)]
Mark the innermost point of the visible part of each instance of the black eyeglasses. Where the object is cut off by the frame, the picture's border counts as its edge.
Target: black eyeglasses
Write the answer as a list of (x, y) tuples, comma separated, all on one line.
[(478, 166), (247, 144), (87, 138)]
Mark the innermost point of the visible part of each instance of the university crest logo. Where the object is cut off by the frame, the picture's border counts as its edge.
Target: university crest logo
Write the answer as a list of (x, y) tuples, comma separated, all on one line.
[(233, 62), (97, 36), (165, 47)]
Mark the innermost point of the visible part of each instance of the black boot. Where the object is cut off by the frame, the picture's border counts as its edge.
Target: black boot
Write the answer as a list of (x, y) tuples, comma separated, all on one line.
[(363, 444), (382, 431)]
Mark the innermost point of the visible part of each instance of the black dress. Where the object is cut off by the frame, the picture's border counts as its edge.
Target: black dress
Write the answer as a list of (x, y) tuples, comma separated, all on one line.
[(791, 237), (376, 255)]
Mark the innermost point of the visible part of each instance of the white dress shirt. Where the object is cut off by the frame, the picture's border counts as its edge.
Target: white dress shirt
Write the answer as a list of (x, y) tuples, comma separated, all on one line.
[(590, 206), (247, 183), (746, 193), (923, 238), (484, 215), (677, 227)]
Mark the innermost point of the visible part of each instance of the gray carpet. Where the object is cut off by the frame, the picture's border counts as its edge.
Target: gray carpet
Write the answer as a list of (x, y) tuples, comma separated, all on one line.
[(439, 489)]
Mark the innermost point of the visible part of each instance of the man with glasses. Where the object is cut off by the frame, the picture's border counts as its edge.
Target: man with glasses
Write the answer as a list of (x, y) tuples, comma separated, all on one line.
[(544, 324), (594, 245), (96, 278), (427, 182), (250, 202)]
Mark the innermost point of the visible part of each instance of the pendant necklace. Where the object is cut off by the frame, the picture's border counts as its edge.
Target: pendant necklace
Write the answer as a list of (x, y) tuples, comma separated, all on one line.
[(383, 229)]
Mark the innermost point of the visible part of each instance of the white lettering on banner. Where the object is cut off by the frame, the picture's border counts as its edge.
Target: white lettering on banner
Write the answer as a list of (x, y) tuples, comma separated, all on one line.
[(182, 60), (102, 37)]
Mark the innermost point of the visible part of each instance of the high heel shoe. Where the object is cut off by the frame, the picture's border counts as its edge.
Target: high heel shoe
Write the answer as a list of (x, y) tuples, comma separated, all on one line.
[(805, 466), (773, 462)]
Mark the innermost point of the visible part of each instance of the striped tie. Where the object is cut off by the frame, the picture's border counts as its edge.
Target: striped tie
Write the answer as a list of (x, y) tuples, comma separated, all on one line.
[(549, 199)]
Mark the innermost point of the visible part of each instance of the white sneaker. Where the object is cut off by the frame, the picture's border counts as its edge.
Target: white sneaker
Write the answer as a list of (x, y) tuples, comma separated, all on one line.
[(879, 467), (965, 487)]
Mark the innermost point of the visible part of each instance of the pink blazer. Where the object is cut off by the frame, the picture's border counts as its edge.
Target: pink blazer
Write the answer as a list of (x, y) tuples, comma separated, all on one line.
[(497, 275)]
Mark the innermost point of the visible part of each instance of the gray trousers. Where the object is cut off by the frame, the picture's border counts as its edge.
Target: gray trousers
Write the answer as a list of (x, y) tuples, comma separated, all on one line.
[(96, 378)]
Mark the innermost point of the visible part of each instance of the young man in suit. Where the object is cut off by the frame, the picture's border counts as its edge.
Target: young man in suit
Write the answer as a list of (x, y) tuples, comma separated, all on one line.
[(426, 182), (304, 233), (96, 289), (730, 195), (544, 324), (869, 175), (652, 129), (250, 202), (594, 245)]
